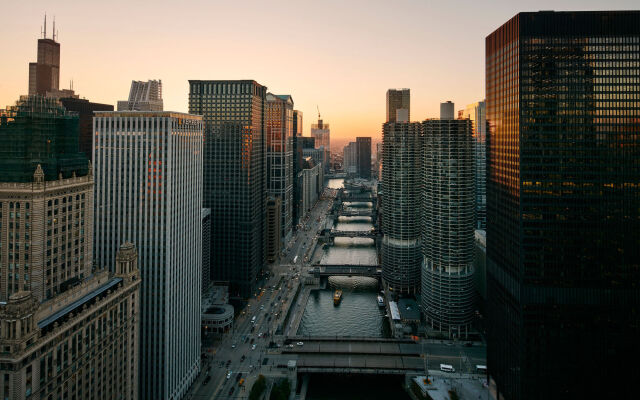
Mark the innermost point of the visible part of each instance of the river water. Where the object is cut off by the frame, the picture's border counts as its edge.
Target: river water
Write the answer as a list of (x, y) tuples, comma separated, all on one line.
[(358, 313)]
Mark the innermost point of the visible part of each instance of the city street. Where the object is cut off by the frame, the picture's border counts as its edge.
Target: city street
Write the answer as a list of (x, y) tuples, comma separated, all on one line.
[(245, 349)]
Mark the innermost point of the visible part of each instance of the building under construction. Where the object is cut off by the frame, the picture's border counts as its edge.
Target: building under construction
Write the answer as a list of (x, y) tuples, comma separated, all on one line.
[(39, 131)]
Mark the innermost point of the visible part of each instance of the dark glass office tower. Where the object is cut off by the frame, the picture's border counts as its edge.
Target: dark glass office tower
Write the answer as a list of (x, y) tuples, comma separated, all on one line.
[(563, 204), (364, 157), (234, 177), (85, 110)]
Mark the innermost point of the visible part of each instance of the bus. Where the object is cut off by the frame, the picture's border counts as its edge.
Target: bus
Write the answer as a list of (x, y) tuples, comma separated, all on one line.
[(481, 369), (447, 368)]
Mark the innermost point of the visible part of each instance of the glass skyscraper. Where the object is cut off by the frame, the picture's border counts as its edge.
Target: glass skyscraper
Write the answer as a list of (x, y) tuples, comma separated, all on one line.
[(234, 177), (279, 133), (563, 204)]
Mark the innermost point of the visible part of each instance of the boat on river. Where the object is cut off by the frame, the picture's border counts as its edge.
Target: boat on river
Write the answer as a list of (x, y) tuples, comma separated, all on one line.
[(337, 297), (380, 301)]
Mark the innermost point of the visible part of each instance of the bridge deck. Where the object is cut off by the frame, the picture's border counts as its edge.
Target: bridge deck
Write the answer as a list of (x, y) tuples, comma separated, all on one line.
[(358, 363)]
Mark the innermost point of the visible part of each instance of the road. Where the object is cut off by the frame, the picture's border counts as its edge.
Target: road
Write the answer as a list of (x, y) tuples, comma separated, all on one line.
[(251, 338)]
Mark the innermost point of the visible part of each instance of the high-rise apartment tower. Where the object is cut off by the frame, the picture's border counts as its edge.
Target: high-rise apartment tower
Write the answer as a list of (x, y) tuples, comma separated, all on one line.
[(448, 219), (399, 105), (401, 180)]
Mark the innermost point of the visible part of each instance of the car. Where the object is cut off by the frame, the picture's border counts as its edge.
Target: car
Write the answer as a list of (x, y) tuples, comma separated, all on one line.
[(206, 380), (242, 358), (229, 374), (252, 339), (253, 347), (290, 346), (231, 390), (300, 343), (233, 346)]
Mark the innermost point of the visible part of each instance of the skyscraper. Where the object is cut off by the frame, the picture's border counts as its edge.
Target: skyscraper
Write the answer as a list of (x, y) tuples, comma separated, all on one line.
[(448, 224), (85, 110), (476, 112), (322, 134), (54, 301), (399, 105), (143, 96), (401, 173), (149, 192), (563, 204), (350, 159), (44, 74), (364, 157), (279, 132), (297, 167), (234, 177)]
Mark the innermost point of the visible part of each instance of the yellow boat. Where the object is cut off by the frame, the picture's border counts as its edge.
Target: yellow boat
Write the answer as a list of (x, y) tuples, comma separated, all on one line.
[(337, 297)]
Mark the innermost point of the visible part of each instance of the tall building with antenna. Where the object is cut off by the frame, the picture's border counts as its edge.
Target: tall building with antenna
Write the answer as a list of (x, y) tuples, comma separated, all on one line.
[(44, 74), (322, 135)]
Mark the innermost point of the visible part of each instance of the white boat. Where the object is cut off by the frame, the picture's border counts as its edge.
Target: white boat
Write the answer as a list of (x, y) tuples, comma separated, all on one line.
[(380, 301)]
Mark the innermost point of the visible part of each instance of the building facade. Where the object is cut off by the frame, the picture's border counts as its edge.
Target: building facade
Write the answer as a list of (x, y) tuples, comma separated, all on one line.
[(398, 105), (563, 204), (143, 96), (401, 182), (364, 157), (297, 167), (476, 112), (279, 133), (448, 219), (61, 316), (206, 249), (149, 192), (85, 110), (234, 177), (322, 134), (350, 159), (274, 240)]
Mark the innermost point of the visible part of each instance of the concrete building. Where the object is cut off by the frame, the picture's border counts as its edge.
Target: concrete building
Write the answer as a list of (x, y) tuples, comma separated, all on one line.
[(274, 240), (143, 96), (448, 224), (398, 105), (149, 192), (401, 205), (350, 161), (563, 196), (279, 131), (44, 74), (234, 177), (363, 145), (206, 249), (58, 311), (313, 178), (476, 112)]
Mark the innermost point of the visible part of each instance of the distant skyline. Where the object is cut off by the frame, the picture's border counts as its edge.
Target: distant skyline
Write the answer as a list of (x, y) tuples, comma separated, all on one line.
[(339, 57)]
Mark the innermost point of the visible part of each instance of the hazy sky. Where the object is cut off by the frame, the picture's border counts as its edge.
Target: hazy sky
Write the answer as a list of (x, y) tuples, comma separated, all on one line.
[(339, 55)]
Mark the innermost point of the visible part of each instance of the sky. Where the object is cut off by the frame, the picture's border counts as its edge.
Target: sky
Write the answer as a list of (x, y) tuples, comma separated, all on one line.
[(338, 56)]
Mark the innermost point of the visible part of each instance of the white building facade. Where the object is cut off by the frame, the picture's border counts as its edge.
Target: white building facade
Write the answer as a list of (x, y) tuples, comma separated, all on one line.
[(148, 191)]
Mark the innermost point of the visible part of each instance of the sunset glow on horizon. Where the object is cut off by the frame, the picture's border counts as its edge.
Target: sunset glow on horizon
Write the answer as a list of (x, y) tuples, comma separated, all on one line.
[(338, 56)]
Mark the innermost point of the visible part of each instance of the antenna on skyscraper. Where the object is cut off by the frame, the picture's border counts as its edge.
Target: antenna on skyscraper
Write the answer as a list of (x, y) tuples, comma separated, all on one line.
[(45, 26), (54, 28), (318, 108)]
